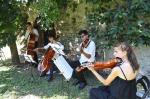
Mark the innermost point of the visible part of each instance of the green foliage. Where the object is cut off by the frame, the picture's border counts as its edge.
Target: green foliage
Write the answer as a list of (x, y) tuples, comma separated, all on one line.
[(11, 20), (125, 21), (47, 10)]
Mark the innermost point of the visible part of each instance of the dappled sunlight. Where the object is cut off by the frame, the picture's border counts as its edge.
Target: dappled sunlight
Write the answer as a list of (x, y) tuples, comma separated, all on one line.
[(29, 96), (23, 82), (4, 68), (58, 97), (6, 51), (10, 95), (2, 85)]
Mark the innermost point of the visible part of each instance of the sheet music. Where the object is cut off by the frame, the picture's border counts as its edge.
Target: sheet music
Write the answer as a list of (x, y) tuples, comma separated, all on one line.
[(29, 58), (63, 66)]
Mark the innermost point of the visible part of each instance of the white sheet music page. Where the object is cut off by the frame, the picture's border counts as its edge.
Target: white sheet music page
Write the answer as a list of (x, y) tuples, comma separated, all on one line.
[(29, 58), (63, 66)]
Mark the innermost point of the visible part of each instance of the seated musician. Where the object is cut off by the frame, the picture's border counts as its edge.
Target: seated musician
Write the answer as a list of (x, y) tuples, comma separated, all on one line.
[(87, 51), (53, 44), (121, 82)]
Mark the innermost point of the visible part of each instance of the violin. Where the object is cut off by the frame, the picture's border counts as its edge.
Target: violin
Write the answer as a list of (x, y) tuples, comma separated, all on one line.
[(108, 64), (101, 65)]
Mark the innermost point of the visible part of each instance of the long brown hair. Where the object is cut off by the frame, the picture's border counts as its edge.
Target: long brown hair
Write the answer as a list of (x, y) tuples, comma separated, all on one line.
[(130, 54)]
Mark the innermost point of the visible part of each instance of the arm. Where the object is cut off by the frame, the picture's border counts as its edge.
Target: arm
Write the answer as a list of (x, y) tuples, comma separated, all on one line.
[(85, 54), (42, 49), (109, 79), (39, 49)]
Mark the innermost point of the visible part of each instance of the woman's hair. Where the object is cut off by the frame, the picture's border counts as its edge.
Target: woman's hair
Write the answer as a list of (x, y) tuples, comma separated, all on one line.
[(52, 33), (130, 54)]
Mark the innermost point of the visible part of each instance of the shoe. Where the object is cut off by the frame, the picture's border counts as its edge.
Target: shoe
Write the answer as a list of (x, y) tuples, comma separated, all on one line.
[(76, 82), (82, 85), (50, 78), (43, 73), (35, 65)]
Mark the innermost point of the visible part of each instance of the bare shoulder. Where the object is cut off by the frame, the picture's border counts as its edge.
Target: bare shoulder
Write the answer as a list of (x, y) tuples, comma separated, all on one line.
[(115, 70)]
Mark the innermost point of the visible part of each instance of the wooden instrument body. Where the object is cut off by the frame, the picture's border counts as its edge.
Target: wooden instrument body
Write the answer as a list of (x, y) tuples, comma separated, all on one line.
[(45, 63), (108, 64), (31, 45), (99, 65)]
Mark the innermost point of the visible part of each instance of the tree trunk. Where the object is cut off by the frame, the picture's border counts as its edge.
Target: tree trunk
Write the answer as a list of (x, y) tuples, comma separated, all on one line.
[(14, 53)]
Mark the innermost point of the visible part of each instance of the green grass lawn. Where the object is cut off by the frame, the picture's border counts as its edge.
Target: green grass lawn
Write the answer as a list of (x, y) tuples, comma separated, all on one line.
[(23, 82)]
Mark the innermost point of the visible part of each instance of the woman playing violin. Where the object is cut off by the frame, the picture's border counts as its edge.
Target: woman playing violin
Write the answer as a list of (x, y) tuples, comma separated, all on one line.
[(121, 83)]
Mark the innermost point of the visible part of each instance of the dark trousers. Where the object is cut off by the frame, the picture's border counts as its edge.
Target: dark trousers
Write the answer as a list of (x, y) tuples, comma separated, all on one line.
[(52, 69), (77, 75)]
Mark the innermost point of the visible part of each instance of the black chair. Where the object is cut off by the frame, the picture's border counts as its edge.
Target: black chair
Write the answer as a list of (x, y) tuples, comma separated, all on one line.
[(145, 84)]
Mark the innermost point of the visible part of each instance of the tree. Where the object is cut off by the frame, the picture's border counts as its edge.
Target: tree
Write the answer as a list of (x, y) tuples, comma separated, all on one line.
[(47, 10), (11, 21), (125, 20)]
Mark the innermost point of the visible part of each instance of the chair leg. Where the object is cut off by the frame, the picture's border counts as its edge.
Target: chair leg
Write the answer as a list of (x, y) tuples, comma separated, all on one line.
[(146, 93)]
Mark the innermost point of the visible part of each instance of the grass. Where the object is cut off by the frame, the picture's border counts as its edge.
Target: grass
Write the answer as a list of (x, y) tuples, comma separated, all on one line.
[(23, 82)]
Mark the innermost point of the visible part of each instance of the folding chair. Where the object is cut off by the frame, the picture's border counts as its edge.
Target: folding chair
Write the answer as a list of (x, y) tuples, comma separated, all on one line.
[(145, 84)]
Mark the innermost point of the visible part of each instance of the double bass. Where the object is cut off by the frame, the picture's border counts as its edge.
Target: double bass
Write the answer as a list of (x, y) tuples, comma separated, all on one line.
[(31, 45)]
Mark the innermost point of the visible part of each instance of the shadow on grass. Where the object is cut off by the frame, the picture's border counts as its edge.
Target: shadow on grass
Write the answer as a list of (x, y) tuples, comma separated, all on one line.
[(24, 80)]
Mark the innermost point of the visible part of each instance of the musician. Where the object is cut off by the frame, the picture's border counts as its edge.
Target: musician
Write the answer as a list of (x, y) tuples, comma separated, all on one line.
[(87, 54), (31, 30), (53, 43), (121, 83)]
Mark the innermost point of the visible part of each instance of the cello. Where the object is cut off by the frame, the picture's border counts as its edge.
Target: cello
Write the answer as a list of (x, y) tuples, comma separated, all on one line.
[(45, 63)]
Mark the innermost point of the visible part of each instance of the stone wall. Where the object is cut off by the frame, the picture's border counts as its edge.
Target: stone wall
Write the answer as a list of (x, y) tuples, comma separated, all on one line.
[(143, 57)]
